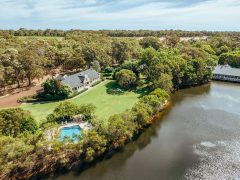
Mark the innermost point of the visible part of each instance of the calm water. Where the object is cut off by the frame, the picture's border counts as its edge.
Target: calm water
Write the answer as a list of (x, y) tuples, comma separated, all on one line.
[(70, 132), (198, 137)]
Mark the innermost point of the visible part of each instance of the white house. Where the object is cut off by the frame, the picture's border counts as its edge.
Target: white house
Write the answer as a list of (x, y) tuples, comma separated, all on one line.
[(81, 80)]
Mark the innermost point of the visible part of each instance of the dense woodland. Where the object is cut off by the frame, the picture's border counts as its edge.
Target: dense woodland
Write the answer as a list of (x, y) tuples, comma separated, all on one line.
[(158, 66), (23, 59), (117, 33)]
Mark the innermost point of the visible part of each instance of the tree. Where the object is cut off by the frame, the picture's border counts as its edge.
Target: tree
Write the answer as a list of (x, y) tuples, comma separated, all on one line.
[(119, 130), (131, 65), (124, 50), (153, 42), (120, 51), (2, 79), (126, 78), (231, 58), (53, 89), (10, 58), (143, 113), (172, 40), (64, 58), (155, 99), (198, 71), (75, 60), (16, 121), (64, 111), (160, 93), (31, 63), (93, 53), (96, 66), (163, 82), (87, 110), (94, 145), (108, 70)]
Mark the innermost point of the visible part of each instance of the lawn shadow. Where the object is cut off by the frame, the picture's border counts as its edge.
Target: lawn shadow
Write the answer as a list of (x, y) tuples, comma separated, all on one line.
[(142, 91), (114, 89)]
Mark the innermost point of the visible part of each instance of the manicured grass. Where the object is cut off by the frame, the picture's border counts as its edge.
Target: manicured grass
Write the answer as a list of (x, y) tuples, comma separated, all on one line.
[(107, 101)]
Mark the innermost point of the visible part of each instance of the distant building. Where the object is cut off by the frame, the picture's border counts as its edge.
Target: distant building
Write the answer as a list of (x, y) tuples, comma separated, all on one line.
[(81, 80), (226, 73)]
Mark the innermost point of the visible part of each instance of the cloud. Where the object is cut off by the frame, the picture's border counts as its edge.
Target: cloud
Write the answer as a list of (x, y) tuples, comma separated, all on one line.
[(121, 14)]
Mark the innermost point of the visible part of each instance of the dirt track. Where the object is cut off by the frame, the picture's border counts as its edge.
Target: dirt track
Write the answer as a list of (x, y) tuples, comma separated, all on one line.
[(11, 100)]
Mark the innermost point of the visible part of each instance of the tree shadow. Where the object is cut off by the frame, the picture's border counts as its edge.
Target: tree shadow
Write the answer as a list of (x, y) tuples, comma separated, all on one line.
[(142, 91), (114, 89)]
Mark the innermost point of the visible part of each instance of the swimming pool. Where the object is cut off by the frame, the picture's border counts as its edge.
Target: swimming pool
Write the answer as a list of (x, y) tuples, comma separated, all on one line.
[(70, 132)]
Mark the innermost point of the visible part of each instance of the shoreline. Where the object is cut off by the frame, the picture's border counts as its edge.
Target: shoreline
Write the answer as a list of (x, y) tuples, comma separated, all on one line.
[(76, 164), (79, 166)]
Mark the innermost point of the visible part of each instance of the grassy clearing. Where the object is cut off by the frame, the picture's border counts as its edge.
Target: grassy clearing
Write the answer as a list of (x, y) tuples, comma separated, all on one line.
[(103, 96)]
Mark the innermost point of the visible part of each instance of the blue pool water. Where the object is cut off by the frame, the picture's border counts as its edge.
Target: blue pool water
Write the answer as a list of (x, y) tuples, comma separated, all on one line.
[(70, 132)]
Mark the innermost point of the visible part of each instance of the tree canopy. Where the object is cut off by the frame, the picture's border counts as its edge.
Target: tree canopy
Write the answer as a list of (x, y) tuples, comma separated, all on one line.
[(16, 121)]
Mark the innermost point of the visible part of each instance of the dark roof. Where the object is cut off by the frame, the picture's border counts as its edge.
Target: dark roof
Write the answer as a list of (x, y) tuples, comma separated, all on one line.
[(77, 79), (226, 70), (91, 73)]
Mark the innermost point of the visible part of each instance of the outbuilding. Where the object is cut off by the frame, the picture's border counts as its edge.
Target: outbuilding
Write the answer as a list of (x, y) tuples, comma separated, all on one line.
[(226, 73)]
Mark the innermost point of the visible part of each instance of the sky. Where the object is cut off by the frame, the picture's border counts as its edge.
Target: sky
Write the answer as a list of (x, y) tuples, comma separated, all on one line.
[(211, 15)]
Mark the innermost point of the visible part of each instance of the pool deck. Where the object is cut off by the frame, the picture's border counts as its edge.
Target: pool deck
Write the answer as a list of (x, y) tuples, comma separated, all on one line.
[(82, 125)]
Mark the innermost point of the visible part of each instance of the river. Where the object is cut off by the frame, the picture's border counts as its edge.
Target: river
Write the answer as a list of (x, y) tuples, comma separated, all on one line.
[(197, 137)]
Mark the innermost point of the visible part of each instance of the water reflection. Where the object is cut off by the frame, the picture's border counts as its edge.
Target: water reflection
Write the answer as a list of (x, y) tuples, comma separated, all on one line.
[(197, 117)]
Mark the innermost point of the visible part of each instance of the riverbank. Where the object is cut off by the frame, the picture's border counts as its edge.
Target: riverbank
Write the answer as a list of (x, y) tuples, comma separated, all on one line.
[(79, 166), (106, 137), (199, 124)]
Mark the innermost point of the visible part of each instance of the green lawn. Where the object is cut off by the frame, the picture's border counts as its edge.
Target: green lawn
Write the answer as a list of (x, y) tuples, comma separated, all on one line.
[(107, 103)]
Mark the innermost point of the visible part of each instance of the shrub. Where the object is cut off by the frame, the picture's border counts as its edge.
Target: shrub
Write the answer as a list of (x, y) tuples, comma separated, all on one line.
[(28, 99), (54, 90), (66, 110), (155, 99), (77, 93), (160, 93), (94, 145), (109, 70), (120, 130), (96, 83), (143, 113), (126, 78)]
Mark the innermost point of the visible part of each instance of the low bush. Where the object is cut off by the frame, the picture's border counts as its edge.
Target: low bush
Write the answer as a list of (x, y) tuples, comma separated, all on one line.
[(47, 97), (78, 93), (28, 99), (96, 83)]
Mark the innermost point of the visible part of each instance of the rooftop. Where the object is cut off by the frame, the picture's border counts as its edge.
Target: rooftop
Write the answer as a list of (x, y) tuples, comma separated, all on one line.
[(77, 79), (226, 70)]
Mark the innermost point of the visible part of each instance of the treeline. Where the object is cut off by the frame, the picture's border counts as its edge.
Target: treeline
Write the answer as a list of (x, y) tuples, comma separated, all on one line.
[(117, 33), (25, 59), (31, 32)]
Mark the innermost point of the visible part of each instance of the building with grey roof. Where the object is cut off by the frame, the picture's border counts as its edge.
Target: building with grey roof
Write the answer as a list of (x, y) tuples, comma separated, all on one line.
[(226, 73), (81, 80)]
